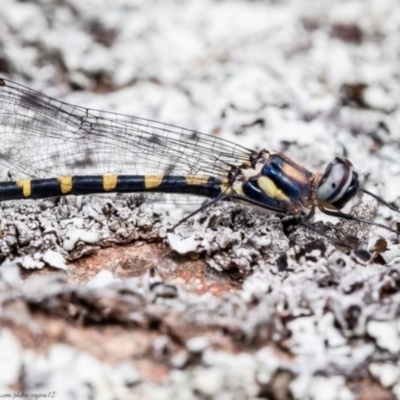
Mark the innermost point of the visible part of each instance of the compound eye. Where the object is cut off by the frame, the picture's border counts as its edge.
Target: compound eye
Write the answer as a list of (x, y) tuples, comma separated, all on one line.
[(338, 184)]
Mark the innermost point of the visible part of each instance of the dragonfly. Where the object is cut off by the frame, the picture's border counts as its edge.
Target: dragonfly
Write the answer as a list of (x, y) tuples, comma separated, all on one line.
[(65, 149)]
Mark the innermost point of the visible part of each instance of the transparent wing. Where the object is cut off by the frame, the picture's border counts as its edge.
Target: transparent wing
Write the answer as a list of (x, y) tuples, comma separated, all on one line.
[(41, 137)]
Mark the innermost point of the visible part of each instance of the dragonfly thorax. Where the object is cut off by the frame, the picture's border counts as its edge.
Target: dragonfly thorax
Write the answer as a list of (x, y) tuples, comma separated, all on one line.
[(276, 182)]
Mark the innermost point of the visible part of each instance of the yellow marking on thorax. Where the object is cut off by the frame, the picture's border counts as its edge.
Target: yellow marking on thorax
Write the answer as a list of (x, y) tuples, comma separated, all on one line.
[(152, 181), (65, 184), (270, 189), (294, 173), (110, 182), (196, 180), (26, 187)]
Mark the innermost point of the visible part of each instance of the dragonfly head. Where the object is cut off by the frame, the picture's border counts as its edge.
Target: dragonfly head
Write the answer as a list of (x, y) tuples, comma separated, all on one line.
[(338, 184)]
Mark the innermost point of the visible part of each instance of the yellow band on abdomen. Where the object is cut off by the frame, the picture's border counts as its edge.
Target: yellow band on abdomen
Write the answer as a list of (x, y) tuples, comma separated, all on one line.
[(196, 180), (65, 184), (152, 181), (110, 182), (26, 187), (226, 187)]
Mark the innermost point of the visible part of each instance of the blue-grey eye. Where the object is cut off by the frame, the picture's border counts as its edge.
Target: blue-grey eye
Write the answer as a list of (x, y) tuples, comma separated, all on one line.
[(338, 184)]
